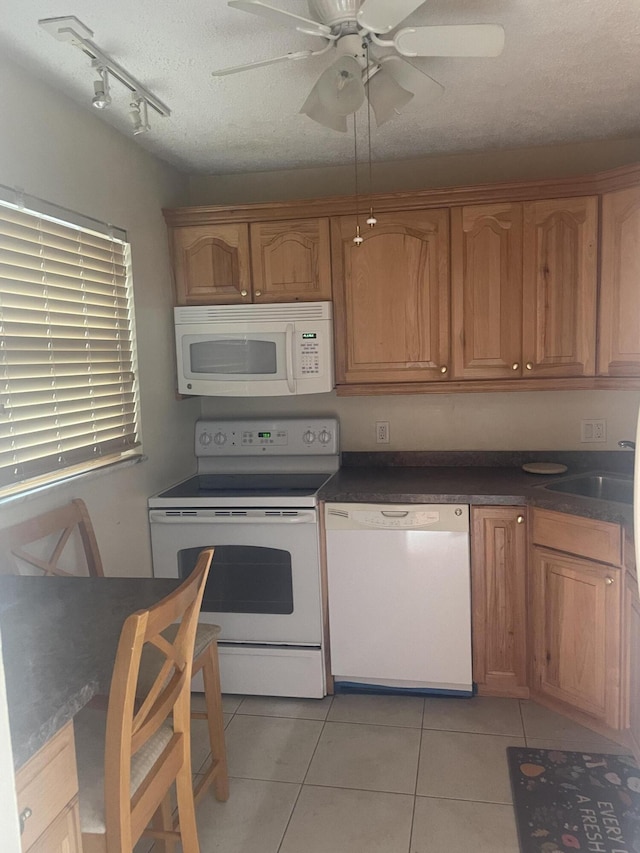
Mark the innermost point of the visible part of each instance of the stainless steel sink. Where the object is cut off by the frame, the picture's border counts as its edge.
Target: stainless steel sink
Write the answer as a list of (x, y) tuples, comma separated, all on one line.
[(603, 487)]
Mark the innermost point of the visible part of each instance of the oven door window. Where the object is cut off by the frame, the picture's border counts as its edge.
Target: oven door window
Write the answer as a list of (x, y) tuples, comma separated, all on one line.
[(237, 357), (244, 579)]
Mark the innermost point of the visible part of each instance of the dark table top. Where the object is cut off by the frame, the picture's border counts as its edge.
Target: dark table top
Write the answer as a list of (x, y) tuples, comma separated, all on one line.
[(59, 639)]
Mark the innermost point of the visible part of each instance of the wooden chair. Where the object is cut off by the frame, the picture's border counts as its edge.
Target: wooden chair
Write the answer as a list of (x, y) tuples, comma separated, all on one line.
[(21, 546), (129, 758)]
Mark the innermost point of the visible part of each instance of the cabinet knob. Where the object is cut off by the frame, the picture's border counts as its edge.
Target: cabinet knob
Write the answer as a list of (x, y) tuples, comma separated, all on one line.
[(515, 365), (529, 365), (608, 581), (258, 293), (444, 368), (520, 519), (23, 817), (243, 293)]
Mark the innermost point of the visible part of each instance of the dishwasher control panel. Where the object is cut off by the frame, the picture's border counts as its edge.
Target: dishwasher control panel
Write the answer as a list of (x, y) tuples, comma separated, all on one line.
[(436, 517)]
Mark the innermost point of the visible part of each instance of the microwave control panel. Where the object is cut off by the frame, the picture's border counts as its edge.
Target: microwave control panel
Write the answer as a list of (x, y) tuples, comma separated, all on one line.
[(309, 351)]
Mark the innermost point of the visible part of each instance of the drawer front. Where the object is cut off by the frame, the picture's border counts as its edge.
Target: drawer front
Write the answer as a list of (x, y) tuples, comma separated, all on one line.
[(46, 784), (584, 537)]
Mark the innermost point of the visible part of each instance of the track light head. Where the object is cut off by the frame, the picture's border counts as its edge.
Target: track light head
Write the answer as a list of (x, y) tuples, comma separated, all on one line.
[(138, 115), (101, 97)]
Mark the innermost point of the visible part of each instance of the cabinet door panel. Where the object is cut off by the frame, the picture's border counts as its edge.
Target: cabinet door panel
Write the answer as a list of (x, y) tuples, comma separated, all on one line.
[(63, 836), (392, 295), (498, 580), (211, 264), (632, 661), (560, 283), (619, 326), (576, 629), (486, 281), (291, 260)]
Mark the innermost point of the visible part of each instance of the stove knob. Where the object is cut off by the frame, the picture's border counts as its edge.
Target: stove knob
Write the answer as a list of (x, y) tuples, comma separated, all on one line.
[(219, 438), (325, 437), (309, 437), (205, 439)]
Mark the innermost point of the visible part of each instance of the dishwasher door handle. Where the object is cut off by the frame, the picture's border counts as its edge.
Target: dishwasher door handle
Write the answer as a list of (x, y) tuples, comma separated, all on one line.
[(391, 514)]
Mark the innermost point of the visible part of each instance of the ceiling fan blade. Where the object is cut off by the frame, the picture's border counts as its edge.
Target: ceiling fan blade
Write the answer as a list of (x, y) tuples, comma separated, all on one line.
[(386, 96), (301, 54), (411, 78), (460, 40), (264, 10), (381, 16)]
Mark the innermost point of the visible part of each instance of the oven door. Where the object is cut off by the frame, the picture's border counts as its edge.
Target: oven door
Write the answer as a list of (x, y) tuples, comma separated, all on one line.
[(264, 583)]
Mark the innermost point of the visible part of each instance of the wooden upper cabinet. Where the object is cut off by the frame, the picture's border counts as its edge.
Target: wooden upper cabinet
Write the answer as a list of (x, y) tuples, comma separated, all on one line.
[(291, 261), (211, 264), (560, 286), (619, 320), (486, 282), (391, 298)]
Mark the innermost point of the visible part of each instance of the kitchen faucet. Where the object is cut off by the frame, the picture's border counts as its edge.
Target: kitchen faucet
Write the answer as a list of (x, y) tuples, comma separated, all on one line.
[(630, 444)]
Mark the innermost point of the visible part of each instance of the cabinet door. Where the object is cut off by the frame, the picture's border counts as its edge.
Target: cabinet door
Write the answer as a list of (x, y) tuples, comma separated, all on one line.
[(498, 582), (391, 297), (576, 608), (619, 323), (291, 261), (211, 264), (63, 835), (560, 283), (632, 661), (486, 282)]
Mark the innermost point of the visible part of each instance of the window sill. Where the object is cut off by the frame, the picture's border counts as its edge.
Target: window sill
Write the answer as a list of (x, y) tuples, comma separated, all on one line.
[(17, 494)]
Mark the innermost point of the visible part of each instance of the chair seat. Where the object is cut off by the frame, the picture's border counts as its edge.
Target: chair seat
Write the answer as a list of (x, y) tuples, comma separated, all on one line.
[(89, 729)]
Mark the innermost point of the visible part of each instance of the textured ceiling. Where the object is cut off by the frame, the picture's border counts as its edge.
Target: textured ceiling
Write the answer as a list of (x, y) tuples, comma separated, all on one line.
[(570, 71)]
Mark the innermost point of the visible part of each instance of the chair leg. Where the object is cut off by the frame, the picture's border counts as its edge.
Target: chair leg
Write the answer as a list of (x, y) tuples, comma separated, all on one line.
[(186, 810), (217, 772), (163, 819)]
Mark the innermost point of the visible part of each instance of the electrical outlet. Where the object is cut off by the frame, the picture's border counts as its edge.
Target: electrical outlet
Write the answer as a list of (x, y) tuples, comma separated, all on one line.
[(593, 430), (382, 432)]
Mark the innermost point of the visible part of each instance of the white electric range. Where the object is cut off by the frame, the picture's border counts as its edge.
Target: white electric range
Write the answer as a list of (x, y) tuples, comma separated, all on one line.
[(254, 498)]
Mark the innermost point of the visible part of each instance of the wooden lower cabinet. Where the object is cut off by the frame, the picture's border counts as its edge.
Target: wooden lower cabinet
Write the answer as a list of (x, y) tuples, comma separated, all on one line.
[(47, 793), (632, 662), (576, 631), (498, 582)]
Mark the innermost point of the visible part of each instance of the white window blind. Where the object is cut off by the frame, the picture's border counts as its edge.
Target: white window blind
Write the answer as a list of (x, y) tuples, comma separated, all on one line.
[(68, 391)]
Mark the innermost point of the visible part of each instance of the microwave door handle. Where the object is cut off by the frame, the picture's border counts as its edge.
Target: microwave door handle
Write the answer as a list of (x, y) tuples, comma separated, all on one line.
[(289, 358)]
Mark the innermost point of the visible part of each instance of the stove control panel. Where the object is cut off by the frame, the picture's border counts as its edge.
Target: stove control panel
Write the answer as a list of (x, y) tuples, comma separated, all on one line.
[(284, 437)]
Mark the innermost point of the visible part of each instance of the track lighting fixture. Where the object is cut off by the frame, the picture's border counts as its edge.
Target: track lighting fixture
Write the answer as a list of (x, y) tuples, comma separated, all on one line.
[(71, 30), (101, 97)]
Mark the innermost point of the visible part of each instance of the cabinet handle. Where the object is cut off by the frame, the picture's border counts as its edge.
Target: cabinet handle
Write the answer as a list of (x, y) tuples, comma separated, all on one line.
[(608, 581), (444, 368), (243, 293), (258, 293), (529, 365), (515, 365), (23, 817), (520, 519)]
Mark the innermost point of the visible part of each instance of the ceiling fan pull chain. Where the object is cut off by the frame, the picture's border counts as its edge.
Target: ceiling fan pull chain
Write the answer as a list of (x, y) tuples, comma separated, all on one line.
[(371, 221), (358, 239)]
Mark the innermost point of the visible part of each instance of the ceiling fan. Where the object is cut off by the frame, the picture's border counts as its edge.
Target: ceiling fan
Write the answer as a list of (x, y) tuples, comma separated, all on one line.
[(363, 66)]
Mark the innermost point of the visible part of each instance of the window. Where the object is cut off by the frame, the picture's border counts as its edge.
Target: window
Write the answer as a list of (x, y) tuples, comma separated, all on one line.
[(68, 392)]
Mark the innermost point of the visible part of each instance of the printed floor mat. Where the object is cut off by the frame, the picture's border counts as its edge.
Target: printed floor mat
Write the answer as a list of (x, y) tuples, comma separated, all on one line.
[(568, 801)]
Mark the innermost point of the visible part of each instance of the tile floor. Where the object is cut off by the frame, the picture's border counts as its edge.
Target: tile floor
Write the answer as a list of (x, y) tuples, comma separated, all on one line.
[(373, 774)]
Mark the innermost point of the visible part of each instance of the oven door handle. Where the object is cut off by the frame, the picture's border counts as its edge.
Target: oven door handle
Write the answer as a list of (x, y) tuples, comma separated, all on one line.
[(160, 517), (289, 358)]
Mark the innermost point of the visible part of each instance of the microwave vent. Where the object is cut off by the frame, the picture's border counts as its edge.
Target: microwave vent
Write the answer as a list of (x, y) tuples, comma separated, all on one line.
[(276, 312)]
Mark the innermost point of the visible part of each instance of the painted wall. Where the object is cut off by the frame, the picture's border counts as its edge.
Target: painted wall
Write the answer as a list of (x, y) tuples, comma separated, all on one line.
[(64, 153), (528, 420)]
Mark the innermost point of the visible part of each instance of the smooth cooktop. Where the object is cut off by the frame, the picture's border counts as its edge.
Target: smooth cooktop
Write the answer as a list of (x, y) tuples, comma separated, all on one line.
[(211, 486)]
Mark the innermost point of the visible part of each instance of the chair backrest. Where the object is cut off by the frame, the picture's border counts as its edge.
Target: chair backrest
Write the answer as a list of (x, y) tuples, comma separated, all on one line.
[(132, 721), (39, 542)]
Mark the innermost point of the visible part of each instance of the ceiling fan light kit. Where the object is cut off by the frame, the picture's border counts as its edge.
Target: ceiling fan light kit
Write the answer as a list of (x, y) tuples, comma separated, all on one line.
[(356, 29)]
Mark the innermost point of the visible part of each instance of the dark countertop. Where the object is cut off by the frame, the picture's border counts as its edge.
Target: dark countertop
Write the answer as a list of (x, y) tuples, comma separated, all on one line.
[(59, 639), (368, 482)]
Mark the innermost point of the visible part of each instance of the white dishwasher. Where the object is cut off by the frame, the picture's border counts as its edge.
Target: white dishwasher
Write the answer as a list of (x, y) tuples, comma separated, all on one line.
[(399, 597)]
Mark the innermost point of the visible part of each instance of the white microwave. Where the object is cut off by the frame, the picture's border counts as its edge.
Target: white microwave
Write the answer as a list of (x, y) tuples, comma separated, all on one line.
[(255, 350)]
